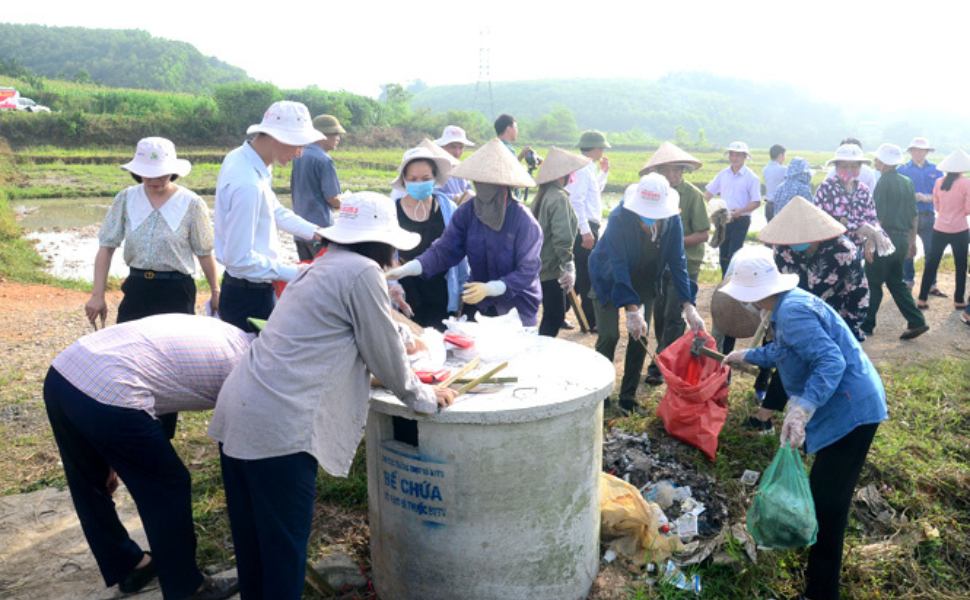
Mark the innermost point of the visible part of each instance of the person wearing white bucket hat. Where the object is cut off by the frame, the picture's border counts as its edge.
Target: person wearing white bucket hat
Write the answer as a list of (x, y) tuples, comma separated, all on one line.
[(740, 189), (426, 210), (165, 229), (248, 213), (836, 402), (844, 197), (951, 198), (923, 174), (863, 172), (895, 204), (453, 141), (298, 400), (643, 239)]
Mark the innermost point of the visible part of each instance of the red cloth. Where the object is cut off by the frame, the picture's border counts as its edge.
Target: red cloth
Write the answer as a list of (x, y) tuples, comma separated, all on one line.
[(279, 286), (695, 406)]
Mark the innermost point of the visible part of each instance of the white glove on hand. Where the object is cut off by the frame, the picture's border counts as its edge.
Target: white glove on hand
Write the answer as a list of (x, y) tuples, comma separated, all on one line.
[(636, 325), (694, 319), (398, 298), (793, 429), (568, 279), (477, 291), (411, 268), (735, 358)]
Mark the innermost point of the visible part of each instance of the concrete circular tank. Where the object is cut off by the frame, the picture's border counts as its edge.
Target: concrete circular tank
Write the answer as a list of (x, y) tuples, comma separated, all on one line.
[(496, 497)]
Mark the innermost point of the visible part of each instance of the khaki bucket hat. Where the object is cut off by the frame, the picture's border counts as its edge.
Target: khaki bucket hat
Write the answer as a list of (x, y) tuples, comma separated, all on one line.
[(669, 154), (800, 222), (493, 163), (593, 139), (559, 163), (328, 124)]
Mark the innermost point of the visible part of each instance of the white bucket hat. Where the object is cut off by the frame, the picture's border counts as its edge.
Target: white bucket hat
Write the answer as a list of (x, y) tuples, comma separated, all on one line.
[(957, 162), (755, 276), (848, 153), (369, 217), (738, 147), (289, 123), (920, 143), (890, 155), (155, 157), (652, 198), (453, 133), (442, 164)]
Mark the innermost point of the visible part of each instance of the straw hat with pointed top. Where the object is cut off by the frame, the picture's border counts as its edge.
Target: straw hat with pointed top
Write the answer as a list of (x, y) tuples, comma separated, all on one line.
[(957, 162), (493, 163), (439, 152), (800, 222), (668, 154), (559, 163)]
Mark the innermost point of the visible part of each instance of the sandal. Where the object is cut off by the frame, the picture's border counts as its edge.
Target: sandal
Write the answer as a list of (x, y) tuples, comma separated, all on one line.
[(965, 320), (935, 291), (922, 305), (959, 305), (915, 332)]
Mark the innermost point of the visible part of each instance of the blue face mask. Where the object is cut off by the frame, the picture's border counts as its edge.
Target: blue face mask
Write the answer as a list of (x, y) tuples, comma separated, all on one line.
[(648, 222), (419, 190), (799, 247)]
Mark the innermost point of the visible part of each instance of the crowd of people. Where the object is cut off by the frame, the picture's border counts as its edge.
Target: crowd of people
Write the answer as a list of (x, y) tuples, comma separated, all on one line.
[(455, 239)]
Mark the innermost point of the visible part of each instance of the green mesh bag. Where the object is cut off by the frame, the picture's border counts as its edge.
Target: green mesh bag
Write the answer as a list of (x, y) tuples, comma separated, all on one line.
[(782, 514)]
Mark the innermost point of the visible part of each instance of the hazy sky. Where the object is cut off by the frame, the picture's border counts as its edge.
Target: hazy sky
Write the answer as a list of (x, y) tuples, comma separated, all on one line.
[(847, 51)]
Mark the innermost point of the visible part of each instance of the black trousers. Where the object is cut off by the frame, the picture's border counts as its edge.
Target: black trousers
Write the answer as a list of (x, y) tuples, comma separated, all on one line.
[(583, 282), (958, 243), (92, 439), (242, 299), (833, 479), (270, 506), (553, 308)]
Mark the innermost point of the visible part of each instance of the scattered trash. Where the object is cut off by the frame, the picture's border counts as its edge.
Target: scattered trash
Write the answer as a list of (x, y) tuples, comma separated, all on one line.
[(678, 579), (609, 556), (750, 478), (629, 526), (870, 508), (687, 526)]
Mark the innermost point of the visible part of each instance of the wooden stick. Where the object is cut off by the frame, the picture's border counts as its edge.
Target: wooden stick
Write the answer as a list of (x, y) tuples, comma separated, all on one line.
[(759, 335), (490, 380), (578, 309), (462, 371), (471, 384)]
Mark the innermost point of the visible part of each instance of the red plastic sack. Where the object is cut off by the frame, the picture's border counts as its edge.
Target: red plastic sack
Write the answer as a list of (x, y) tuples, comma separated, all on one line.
[(279, 286), (695, 406)]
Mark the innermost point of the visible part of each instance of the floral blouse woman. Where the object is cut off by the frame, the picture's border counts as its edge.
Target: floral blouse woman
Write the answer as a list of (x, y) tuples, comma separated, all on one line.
[(165, 229), (844, 197)]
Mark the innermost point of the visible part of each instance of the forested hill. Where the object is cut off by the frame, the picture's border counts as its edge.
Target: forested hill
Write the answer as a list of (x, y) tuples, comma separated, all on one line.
[(127, 58), (725, 108)]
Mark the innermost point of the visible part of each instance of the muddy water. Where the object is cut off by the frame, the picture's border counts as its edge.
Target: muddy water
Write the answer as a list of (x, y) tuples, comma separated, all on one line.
[(66, 234)]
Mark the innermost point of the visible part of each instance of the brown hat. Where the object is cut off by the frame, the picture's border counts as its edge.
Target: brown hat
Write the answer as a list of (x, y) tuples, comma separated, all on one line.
[(730, 316), (493, 163), (668, 154), (800, 222), (328, 125), (439, 152), (558, 164)]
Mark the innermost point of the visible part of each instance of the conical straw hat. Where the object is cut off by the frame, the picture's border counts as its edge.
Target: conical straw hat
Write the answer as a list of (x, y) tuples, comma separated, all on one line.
[(668, 153), (956, 162), (559, 163), (439, 152), (493, 163), (800, 222), (730, 316)]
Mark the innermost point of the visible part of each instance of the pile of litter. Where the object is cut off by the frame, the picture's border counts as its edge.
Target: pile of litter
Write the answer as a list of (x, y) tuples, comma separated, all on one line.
[(689, 499)]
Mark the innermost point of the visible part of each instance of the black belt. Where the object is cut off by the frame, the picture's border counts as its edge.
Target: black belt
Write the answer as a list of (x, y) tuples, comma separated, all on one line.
[(142, 274), (228, 279)]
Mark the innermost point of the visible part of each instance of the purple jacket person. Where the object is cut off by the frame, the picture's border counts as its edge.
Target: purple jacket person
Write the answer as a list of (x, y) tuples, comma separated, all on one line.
[(499, 236)]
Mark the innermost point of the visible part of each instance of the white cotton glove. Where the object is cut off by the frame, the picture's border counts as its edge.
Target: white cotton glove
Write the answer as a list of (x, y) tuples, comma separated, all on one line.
[(411, 268), (797, 416), (694, 319), (568, 279), (636, 324), (735, 358), (477, 291), (875, 239), (398, 298)]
